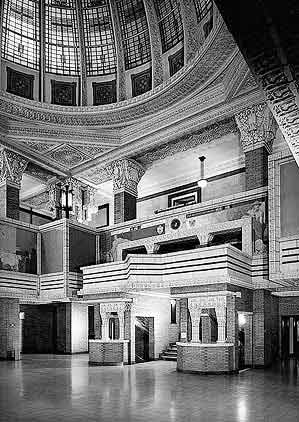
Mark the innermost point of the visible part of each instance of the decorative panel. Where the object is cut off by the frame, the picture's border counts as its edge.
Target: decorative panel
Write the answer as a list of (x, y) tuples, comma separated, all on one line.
[(104, 92), (63, 93), (176, 62), (20, 84), (142, 82)]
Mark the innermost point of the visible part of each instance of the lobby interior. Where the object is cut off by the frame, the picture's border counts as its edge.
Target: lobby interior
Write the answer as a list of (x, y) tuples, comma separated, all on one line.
[(149, 226)]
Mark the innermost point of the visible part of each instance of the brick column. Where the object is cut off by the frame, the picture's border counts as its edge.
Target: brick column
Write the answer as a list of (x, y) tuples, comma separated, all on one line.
[(12, 167), (258, 128), (126, 175), (10, 338)]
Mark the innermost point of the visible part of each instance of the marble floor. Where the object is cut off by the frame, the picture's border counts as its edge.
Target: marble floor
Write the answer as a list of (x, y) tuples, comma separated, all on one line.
[(64, 388)]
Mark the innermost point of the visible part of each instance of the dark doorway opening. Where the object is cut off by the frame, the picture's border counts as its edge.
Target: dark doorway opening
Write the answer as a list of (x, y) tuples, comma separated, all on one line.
[(184, 244), (233, 237), (144, 339), (290, 336), (91, 331), (133, 251)]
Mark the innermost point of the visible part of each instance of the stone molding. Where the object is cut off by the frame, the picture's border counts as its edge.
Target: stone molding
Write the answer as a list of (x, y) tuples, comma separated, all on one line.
[(12, 167), (257, 126)]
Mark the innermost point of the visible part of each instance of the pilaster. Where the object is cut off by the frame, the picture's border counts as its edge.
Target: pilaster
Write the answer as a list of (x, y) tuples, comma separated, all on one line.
[(156, 44), (121, 88), (126, 175), (258, 128), (191, 38)]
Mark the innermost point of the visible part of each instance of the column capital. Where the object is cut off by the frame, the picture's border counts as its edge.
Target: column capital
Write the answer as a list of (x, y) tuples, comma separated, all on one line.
[(12, 167), (126, 174), (257, 126)]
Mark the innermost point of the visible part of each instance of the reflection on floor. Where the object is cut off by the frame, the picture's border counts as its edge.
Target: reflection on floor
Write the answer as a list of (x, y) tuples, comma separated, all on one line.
[(64, 388)]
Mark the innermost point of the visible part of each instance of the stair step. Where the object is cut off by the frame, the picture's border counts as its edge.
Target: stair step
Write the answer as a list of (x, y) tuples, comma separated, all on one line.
[(170, 352), (168, 357)]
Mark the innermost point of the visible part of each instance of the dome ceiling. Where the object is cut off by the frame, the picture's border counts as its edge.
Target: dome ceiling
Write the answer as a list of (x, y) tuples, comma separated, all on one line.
[(95, 52)]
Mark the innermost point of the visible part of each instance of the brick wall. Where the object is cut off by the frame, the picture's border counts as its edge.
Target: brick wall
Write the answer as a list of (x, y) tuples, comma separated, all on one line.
[(10, 335), (38, 328), (206, 329), (265, 328), (9, 201), (47, 328), (205, 359), (256, 164), (106, 353), (124, 207)]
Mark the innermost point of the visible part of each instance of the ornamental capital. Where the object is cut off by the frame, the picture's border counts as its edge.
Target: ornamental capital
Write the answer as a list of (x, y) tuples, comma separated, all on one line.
[(257, 126), (126, 174), (12, 167)]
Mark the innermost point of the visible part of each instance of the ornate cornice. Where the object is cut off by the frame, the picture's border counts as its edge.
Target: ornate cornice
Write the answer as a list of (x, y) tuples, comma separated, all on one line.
[(188, 142)]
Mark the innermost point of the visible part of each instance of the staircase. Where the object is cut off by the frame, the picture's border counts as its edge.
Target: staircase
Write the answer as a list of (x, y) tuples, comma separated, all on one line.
[(170, 353)]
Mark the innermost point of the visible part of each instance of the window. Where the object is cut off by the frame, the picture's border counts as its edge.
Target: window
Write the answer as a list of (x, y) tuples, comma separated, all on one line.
[(170, 23), (184, 198), (135, 33), (20, 32), (102, 217), (99, 38), (202, 7), (61, 37)]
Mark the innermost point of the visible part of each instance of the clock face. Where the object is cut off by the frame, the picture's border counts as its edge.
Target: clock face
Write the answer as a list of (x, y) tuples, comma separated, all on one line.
[(175, 224)]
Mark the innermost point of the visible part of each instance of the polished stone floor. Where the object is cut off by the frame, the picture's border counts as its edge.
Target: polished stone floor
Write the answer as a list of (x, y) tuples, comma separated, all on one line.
[(64, 388)]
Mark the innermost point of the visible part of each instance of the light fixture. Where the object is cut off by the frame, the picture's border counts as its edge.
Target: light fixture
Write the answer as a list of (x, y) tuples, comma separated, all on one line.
[(66, 200), (242, 319), (202, 182)]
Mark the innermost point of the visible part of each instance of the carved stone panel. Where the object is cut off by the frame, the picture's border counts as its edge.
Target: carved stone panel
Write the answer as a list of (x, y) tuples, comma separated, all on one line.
[(176, 62), (142, 82), (63, 93), (104, 93), (20, 84)]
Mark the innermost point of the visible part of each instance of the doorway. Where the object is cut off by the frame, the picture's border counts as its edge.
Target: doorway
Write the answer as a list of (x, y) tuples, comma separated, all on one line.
[(144, 339), (290, 336)]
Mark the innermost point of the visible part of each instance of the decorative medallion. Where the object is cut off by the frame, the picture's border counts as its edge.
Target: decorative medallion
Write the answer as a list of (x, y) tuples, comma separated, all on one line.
[(160, 229), (175, 224)]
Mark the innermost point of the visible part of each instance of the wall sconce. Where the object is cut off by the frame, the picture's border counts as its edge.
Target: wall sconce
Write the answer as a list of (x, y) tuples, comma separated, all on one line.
[(66, 200), (241, 319), (202, 182)]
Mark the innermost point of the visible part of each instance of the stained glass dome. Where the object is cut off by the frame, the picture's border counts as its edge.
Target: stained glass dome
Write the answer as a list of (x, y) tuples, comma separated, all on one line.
[(98, 46)]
